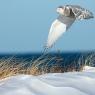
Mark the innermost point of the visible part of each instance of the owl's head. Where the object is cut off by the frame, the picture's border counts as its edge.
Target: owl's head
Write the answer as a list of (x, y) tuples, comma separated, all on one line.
[(63, 10)]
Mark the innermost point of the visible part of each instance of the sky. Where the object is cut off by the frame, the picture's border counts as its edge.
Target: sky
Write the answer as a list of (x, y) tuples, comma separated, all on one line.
[(24, 26)]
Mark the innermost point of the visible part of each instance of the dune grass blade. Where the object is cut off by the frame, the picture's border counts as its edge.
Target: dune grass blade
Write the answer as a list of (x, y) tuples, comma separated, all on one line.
[(44, 64)]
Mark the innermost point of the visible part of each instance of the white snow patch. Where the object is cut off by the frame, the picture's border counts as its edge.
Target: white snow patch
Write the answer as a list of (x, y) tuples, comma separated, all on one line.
[(72, 83), (88, 68)]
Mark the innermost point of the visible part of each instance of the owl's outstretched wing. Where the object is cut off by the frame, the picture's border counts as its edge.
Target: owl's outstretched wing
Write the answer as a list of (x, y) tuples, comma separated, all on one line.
[(80, 13), (56, 30)]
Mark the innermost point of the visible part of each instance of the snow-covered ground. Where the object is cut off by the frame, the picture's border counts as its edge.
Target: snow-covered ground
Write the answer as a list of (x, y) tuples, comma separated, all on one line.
[(72, 83)]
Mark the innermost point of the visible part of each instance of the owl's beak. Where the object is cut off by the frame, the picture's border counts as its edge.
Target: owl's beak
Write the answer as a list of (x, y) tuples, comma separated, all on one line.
[(58, 10)]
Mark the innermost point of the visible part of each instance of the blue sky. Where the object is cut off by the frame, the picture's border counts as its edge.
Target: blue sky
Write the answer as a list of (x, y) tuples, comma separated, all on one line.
[(24, 26)]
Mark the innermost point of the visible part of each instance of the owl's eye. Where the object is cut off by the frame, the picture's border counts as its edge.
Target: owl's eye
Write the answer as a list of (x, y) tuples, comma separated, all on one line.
[(60, 7)]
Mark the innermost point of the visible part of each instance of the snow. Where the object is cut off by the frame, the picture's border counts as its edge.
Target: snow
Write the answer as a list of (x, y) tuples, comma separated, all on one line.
[(71, 83), (88, 68)]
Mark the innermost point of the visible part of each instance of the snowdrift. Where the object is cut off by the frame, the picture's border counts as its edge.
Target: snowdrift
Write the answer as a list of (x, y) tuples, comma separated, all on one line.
[(72, 83)]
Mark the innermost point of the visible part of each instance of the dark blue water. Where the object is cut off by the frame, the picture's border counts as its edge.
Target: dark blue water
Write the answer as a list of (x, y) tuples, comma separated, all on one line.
[(66, 58), (29, 56)]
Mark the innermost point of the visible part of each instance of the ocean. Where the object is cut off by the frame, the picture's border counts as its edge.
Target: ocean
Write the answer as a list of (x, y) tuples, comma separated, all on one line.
[(66, 58)]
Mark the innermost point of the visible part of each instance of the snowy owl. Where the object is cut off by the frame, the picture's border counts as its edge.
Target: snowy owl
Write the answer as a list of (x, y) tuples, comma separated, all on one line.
[(67, 16)]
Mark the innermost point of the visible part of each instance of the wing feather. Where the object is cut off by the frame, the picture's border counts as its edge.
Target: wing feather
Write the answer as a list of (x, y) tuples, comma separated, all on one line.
[(56, 31), (80, 13)]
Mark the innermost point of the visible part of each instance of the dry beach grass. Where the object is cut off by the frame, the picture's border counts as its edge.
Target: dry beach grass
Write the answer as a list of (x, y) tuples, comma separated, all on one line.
[(12, 66)]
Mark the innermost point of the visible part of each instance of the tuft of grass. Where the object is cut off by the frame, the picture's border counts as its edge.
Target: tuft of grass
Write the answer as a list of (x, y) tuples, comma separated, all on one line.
[(44, 64)]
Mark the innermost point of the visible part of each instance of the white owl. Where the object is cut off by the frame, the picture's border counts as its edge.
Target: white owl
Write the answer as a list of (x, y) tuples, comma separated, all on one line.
[(67, 15)]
